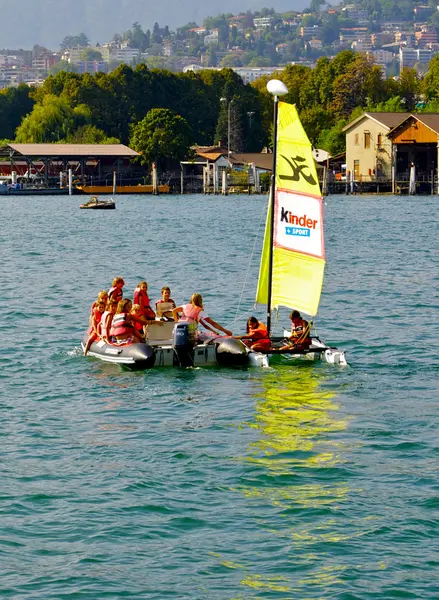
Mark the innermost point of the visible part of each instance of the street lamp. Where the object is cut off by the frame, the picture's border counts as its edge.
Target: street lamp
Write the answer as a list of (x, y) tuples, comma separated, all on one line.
[(250, 115), (228, 123), (276, 88)]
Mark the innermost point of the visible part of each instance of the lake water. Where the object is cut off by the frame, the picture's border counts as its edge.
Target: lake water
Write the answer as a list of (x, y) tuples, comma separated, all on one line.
[(293, 482)]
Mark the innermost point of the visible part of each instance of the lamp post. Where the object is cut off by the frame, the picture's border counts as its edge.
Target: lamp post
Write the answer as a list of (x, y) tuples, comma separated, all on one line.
[(276, 88), (229, 104)]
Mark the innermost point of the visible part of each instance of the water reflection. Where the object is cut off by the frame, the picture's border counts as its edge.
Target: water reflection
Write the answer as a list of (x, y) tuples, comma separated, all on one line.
[(295, 477), (295, 417)]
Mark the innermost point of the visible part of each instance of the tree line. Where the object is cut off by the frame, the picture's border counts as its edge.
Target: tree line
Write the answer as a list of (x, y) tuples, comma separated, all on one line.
[(162, 114)]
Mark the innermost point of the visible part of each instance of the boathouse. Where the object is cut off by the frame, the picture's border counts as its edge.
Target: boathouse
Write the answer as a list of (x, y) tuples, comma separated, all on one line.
[(89, 162), (415, 147)]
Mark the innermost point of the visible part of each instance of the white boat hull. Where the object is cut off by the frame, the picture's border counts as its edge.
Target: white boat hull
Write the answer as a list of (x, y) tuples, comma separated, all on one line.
[(319, 351)]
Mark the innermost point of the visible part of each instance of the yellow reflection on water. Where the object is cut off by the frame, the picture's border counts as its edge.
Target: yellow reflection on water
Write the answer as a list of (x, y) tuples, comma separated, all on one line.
[(293, 415), (296, 419)]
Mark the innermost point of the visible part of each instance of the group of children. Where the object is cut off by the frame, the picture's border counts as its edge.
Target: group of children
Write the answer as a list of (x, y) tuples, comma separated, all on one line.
[(114, 318)]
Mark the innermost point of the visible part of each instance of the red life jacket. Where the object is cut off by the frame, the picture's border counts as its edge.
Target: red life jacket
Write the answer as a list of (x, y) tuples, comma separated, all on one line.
[(102, 326), (97, 316), (142, 299), (298, 330), (138, 326), (169, 305), (115, 293), (120, 325)]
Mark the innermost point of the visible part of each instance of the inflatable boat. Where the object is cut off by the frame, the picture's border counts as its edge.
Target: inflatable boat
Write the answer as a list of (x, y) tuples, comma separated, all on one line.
[(169, 344)]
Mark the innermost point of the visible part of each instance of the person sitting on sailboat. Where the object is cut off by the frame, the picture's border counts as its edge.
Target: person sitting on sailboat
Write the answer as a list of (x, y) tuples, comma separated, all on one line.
[(300, 332), (257, 335), (194, 313)]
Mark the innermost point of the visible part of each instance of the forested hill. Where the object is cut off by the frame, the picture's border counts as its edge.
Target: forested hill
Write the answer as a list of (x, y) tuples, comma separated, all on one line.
[(390, 9), (47, 22)]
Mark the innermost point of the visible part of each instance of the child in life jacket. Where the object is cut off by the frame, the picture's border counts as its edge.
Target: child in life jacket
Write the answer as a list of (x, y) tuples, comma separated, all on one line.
[(194, 313), (141, 321), (102, 297), (257, 335), (300, 333), (116, 290), (107, 318), (122, 327), (141, 298), (95, 321), (165, 305)]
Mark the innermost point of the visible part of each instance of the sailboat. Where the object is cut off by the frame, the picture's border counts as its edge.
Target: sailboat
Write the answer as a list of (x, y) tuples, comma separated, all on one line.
[(293, 255)]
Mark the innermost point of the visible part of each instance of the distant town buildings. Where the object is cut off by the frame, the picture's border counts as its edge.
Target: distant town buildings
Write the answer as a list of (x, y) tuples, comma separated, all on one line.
[(243, 41)]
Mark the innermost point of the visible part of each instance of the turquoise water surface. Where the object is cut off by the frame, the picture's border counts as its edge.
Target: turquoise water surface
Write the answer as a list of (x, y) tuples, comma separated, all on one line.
[(293, 482)]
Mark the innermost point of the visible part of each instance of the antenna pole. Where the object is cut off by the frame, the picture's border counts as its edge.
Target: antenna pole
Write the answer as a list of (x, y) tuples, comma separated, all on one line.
[(271, 208)]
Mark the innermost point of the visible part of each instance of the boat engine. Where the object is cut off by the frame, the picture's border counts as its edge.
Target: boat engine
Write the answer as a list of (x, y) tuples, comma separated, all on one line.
[(183, 342)]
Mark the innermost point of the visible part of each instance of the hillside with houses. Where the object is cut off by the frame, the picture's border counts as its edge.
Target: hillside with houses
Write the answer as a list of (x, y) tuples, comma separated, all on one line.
[(394, 34)]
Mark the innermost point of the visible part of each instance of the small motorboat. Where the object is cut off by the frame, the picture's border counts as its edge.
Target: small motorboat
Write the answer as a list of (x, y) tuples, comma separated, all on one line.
[(170, 344), (95, 204)]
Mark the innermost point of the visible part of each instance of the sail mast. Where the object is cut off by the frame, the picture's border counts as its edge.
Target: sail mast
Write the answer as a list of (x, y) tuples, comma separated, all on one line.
[(276, 88)]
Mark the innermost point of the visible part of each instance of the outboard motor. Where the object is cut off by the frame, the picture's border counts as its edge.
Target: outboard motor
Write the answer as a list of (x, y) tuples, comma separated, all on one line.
[(183, 342)]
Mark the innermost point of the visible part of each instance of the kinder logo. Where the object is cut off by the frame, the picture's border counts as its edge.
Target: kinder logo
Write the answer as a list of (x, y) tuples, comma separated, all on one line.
[(306, 224)]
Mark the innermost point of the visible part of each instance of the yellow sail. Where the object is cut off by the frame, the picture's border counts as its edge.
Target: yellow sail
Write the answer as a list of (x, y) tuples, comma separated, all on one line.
[(298, 241)]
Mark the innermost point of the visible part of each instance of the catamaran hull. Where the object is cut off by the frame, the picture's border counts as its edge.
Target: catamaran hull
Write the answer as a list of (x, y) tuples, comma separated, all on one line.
[(222, 352), (317, 351)]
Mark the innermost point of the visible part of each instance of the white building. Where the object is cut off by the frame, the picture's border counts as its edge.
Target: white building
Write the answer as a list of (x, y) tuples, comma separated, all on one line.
[(355, 13), (212, 37), (316, 44), (362, 45), (382, 57), (262, 22), (408, 57), (124, 55), (247, 74)]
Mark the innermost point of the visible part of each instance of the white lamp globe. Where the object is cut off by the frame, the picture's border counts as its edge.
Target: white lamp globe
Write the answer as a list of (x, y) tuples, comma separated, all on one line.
[(277, 87)]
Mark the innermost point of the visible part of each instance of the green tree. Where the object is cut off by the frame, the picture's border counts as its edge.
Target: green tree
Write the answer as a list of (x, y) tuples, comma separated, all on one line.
[(15, 104), (430, 82), (409, 88), (314, 120), (156, 37), (75, 41), (138, 38), (88, 54), (316, 4), (361, 83), (61, 65), (52, 120), (89, 134), (231, 60), (394, 104), (161, 136), (333, 140)]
